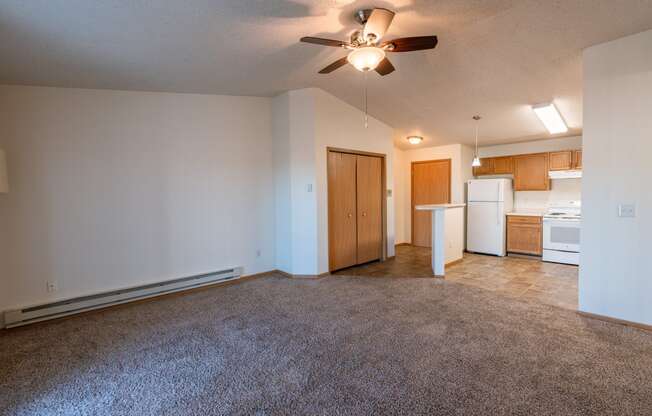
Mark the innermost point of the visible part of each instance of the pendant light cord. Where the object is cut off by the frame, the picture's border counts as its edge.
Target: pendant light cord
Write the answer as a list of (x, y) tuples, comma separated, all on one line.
[(366, 114), (476, 138)]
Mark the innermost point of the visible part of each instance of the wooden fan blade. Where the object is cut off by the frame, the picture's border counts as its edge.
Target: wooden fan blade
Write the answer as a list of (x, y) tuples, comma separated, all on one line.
[(416, 43), (332, 67), (324, 42), (385, 67)]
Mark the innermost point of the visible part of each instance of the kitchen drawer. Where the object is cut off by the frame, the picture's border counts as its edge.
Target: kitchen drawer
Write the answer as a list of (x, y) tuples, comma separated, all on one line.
[(523, 219)]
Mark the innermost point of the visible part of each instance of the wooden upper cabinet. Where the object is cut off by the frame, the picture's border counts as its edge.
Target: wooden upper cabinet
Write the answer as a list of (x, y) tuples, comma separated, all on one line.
[(577, 159), (495, 166), (486, 167), (561, 160), (531, 172), (503, 165)]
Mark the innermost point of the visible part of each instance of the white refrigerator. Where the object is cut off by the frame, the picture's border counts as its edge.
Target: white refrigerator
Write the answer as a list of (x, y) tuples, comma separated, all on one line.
[(488, 202)]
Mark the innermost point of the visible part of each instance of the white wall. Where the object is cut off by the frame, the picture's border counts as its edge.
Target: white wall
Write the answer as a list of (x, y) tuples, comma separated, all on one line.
[(533, 146), (401, 175), (560, 189), (282, 182), (316, 121), (111, 189), (615, 270)]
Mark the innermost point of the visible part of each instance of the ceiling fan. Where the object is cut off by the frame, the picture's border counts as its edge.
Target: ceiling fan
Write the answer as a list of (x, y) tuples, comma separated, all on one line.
[(367, 53)]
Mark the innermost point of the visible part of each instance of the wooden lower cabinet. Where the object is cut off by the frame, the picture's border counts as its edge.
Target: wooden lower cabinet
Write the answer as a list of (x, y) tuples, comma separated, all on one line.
[(524, 235)]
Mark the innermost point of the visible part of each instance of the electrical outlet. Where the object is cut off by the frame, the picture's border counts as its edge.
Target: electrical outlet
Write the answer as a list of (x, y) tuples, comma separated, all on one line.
[(627, 210), (51, 286)]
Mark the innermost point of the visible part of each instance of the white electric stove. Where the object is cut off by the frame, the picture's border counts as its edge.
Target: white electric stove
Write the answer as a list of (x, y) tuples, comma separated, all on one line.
[(561, 232)]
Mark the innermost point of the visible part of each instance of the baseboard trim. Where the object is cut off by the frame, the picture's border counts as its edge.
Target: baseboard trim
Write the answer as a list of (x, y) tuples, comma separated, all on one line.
[(301, 276), (454, 262), (402, 244), (241, 279), (609, 319)]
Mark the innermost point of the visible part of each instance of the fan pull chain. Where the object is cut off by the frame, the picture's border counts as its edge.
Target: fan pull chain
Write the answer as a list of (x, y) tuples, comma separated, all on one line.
[(366, 114)]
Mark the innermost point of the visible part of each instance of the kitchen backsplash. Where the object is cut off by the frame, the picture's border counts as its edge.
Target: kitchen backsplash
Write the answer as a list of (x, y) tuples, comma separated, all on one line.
[(560, 190)]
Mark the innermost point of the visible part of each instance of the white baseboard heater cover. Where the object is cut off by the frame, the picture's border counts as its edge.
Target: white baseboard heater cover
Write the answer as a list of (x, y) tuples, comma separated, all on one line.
[(13, 318)]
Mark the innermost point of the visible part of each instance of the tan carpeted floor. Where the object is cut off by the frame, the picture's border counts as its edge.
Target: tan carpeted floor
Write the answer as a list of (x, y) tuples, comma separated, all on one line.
[(337, 345)]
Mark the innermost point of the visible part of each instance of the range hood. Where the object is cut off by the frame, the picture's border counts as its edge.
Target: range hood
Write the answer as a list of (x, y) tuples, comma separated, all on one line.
[(564, 174)]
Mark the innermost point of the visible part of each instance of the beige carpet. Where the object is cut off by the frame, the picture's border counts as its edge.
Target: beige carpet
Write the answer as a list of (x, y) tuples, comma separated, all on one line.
[(338, 345)]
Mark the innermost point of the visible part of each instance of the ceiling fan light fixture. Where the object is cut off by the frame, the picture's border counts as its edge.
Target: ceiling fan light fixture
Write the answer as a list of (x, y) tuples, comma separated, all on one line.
[(366, 58), (414, 139)]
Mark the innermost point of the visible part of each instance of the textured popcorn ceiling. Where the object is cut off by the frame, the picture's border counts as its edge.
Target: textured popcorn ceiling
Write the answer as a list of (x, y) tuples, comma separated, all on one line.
[(494, 57)]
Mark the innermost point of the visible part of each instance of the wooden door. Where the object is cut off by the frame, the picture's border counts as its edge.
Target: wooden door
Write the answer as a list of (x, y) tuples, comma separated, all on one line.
[(431, 184), (342, 235), (561, 160), (369, 201), (531, 172)]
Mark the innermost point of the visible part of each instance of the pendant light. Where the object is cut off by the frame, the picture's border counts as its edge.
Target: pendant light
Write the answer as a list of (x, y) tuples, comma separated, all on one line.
[(476, 160)]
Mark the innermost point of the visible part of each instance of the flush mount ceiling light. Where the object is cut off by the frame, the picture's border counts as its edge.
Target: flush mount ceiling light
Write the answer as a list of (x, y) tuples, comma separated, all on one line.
[(476, 160), (550, 117), (415, 139), (366, 59)]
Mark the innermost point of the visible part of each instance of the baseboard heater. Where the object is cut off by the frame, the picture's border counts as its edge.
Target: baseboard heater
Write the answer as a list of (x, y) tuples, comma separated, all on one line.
[(13, 318)]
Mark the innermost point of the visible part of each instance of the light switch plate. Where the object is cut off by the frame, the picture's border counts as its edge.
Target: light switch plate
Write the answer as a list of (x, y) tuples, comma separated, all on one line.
[(627, 210), (389, 193), (309, 187)]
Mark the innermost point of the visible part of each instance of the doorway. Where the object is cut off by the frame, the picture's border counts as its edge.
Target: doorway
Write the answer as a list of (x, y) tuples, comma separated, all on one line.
[(356, 208), (431, 184)]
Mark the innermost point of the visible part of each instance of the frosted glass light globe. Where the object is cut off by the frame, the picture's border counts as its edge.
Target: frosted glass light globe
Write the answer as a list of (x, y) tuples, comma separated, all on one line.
[(366, 58)]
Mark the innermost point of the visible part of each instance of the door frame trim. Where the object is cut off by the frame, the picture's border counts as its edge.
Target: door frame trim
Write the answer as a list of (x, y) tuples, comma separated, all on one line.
[(450, 189), (383, 193)]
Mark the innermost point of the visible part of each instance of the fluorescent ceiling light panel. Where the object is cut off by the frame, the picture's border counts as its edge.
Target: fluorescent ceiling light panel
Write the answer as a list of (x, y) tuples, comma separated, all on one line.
[(550, 117)]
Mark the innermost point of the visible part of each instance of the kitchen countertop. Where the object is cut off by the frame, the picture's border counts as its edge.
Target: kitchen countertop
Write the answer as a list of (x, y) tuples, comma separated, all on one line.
[(435, 207), (528, 212)]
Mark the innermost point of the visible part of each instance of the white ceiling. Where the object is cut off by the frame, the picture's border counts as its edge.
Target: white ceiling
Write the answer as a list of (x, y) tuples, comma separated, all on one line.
[(495, 57)]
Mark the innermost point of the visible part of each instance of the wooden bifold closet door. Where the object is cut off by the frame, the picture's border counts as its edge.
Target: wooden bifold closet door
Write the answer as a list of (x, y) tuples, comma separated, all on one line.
[(354, 209)]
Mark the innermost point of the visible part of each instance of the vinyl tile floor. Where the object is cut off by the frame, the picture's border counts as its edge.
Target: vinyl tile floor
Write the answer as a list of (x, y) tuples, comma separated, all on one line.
[(526, 278)]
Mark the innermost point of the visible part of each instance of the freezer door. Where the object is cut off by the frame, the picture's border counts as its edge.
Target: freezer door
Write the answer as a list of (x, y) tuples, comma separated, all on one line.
[(486, 228), (485, 190)]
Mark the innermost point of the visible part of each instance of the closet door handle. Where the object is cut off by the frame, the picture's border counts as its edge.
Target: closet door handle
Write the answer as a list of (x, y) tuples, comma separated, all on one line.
[(349, 215), (364, 214)]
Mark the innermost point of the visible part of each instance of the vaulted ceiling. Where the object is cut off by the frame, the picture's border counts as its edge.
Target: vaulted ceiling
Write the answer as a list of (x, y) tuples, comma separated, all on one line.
[(494, 58)]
